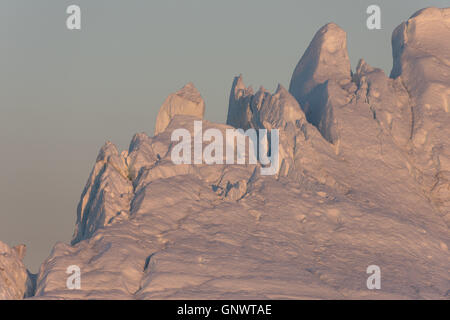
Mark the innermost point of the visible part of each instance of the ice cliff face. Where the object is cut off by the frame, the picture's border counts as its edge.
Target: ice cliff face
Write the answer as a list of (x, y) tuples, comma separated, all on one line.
[(364, 179), (421, 51)]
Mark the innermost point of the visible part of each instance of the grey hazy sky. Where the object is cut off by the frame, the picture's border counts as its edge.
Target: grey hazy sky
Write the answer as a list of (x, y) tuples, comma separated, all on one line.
[(64, 93)]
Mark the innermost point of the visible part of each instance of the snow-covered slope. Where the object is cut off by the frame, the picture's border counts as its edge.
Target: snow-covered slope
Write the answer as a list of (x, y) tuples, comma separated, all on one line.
[(364, 180)]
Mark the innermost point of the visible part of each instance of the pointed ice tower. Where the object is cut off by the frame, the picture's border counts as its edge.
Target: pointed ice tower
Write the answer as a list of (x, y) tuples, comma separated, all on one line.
[(324, 66), (186, 101)]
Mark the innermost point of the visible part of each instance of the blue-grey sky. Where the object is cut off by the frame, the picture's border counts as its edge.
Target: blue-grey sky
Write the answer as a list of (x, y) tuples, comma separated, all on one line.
[(64, 93)]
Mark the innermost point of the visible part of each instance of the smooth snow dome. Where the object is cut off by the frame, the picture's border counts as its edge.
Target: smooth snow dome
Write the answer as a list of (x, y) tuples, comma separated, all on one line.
[(64, 93)]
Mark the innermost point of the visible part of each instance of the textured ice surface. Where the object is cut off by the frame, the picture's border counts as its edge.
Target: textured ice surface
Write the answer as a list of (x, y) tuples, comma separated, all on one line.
[(364, 180), (13, 274)]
